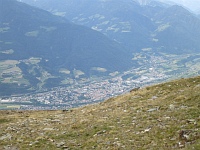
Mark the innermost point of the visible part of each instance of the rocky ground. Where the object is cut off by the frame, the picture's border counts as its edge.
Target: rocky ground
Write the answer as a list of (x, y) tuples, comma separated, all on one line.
[(164, 116)]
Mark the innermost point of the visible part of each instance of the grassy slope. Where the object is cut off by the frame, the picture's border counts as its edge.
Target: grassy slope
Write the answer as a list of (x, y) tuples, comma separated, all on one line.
[(164, 116)]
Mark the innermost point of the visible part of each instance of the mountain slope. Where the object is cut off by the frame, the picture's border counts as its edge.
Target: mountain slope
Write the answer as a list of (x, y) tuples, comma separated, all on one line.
[(178, 29), (41, 47), (164, 116), (137, 25), (119, 20)]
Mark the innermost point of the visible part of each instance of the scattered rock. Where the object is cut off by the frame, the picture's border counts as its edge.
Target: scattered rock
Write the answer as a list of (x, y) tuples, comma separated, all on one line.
[(65, 147), (184, 107), (125, 110), (181, 145), (61, 144), (7, 136), (100, 132), (56, 120), (197, 86), (108, 142), (172, 107), (147, 130), (192, 121), (39, 138), (51, 140), (32, 143), (180, 90), (153, 98), (184, 135), (167, 117), (117, 143), (10, 148), (153, 109), (173, 139), (48, 129), (135, 97)]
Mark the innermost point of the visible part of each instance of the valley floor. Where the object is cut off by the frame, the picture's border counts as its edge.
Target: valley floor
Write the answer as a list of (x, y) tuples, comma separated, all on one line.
[(154, 68)]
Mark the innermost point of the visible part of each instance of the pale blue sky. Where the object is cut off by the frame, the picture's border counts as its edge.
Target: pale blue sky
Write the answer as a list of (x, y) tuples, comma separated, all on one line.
[(192, 4)]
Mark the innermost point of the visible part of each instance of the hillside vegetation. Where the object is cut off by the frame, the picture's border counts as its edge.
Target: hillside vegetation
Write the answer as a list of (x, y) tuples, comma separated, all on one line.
[(164, 116)]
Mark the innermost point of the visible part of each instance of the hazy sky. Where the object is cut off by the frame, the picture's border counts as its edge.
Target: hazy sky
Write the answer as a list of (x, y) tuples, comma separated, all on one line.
[(192, 4)]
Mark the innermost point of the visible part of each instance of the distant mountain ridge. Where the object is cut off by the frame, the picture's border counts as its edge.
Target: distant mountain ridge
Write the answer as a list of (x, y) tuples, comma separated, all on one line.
[(180, 30), (148, 24), (40, 50)]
